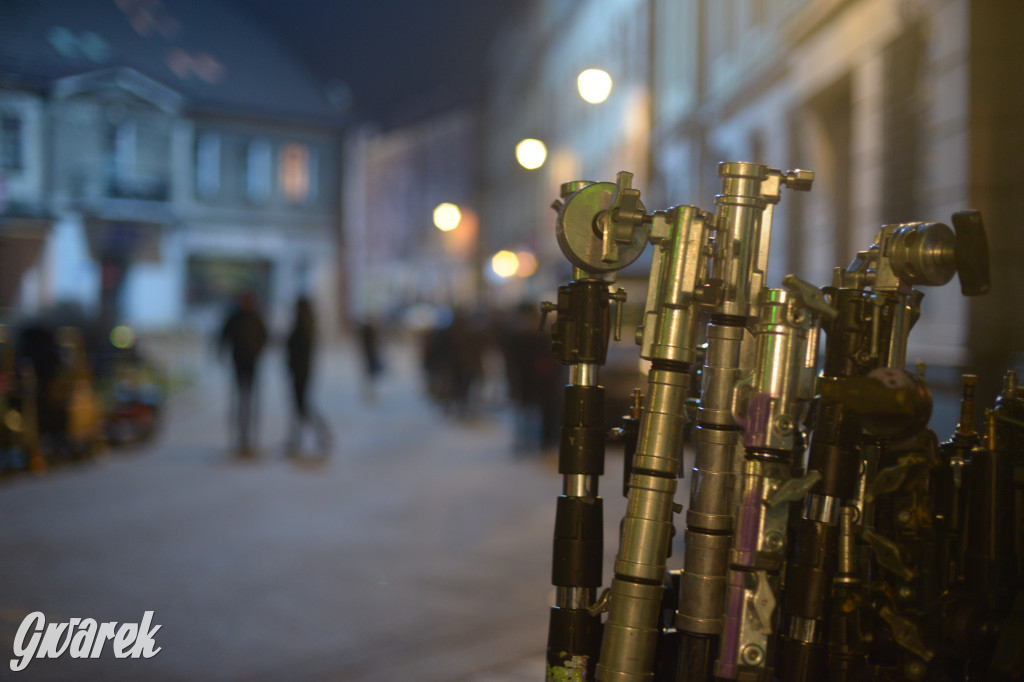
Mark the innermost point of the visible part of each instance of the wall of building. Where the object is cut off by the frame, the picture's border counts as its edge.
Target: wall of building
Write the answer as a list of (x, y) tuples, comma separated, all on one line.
[(537, 64), (896, 106), (79, 169), (996, 117), (118, 191), (22, 189)]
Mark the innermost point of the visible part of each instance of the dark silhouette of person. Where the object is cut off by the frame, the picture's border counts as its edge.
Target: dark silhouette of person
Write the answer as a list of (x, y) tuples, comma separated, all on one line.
[(245, 334), (534, 378), (38, 344), (300, 360), (465, 362), (373, 367)]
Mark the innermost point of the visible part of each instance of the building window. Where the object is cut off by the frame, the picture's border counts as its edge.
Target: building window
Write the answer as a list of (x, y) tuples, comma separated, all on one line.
[(258, 175), (121, 157), (125, 145), (294, 172), (10, 143), (137, 161), (208, 165)]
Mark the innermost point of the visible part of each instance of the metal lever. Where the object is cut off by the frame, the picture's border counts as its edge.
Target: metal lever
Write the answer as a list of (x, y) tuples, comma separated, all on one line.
[(810, 296), (794, 490), (798, 180), (620, 299), (545, 308), (621, 218)]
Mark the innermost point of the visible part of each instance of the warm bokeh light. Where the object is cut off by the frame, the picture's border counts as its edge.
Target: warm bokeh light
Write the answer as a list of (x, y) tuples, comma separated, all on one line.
[(527, 264), (504, 264), (447, 216), (531, 153), (594, 85)]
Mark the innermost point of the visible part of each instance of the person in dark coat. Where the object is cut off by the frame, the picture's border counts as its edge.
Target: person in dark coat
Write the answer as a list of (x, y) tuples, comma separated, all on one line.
[(300, 360), (245, 335), (373, 367), (535, 381)]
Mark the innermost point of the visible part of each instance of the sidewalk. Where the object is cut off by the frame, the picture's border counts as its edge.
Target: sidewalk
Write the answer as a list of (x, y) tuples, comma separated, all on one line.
[(420, 550)]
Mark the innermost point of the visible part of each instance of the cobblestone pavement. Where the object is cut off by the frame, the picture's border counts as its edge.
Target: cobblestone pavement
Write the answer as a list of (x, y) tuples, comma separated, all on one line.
[(420, 549)]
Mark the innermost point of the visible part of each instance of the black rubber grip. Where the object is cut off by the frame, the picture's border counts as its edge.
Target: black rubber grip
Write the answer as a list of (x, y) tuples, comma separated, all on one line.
[(971, 253)]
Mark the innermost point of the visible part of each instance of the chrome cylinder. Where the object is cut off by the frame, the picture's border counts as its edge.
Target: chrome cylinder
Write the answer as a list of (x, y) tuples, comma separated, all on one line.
[(847, 569), (583, 374), (579, 485), (773, 406), (721, 372), (902, 319), (709, 517), (714, 480), (631, 631), (740, 208), (574, 597), (668, 340), (822, 508), (702, 588), (803, 629)]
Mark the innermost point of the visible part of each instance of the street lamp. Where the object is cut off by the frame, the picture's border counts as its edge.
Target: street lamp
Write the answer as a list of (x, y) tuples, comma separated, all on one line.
[(531, 153), (526, 264), (447, 216), (594, 85), (504, 264)]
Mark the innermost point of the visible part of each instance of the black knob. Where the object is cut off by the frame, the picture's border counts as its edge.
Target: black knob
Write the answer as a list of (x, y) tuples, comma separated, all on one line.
[(971, 253)]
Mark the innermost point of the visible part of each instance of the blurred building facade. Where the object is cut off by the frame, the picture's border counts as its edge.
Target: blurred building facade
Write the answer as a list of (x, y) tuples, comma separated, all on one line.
[(159, 157), (396, 258), (533, 70), (896, 106)]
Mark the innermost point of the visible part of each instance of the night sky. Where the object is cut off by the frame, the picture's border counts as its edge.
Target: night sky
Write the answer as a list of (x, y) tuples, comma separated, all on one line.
[(401, 59)]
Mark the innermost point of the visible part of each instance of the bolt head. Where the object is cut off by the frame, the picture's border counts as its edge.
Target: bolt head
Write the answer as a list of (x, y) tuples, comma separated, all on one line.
[(752, 654), (773, 541)]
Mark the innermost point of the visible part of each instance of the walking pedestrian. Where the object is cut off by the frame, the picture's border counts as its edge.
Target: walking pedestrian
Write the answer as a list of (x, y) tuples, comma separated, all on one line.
[(245, 335), (372, 364), (534, 377), (301, 341)]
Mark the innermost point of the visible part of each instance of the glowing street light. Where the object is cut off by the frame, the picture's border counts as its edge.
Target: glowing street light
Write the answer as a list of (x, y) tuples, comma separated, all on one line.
[(526, 264), (594, 85), (447, 216), (531, 153), (504, 264)]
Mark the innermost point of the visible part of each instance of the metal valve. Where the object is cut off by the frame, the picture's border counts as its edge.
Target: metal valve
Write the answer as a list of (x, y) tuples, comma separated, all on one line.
[(600, 225), (929, 254)]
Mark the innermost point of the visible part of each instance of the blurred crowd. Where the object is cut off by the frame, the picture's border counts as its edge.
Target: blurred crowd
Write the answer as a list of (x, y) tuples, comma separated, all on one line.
[(71, 386), (472, 360)]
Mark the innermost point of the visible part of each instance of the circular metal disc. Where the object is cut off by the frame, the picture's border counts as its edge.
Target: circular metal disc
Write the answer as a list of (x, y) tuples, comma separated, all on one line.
[(579, 235)]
